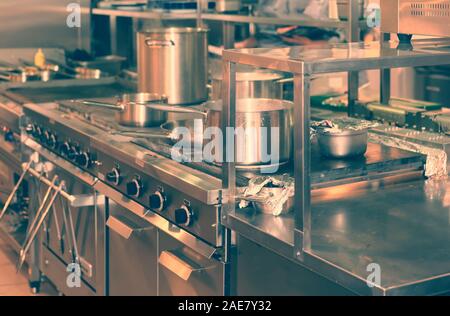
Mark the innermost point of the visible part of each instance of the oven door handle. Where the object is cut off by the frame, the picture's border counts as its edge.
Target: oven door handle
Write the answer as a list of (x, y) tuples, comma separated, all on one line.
[(124, 229), (174, 263), (15, 189), (79, 200), (37, 227)]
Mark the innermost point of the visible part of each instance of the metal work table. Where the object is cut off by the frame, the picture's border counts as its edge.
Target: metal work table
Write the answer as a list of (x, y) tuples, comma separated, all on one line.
[(314, 243), (370, 225)]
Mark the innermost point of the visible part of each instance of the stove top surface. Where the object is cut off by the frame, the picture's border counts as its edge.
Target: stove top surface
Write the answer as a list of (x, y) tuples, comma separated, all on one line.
[(378, 158)]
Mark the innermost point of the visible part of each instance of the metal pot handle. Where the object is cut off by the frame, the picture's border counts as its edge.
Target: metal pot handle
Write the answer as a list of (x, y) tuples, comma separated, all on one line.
[(159, 43), (16, 187), (105, 105), (174, 109)]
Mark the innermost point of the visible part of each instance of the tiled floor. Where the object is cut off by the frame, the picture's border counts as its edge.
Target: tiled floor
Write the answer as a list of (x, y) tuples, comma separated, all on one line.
[(16, 284)]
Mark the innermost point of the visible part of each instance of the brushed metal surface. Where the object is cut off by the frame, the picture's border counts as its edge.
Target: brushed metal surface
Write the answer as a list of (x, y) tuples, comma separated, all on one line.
[(29, 23), (342, 145), (195, 275), (425, 17), (252, 85), (133, 261), (401, 226), (173, 62)]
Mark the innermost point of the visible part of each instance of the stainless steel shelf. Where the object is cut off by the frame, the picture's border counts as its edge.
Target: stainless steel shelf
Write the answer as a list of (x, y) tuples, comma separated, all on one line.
[(145, 14), (330, 58), (231, 18), (285, 20)]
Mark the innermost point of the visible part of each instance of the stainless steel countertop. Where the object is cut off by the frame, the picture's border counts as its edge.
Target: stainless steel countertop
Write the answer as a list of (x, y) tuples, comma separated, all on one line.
[(403, 227)]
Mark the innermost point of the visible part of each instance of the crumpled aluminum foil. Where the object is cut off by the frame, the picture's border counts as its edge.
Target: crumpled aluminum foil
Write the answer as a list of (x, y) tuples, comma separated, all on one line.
[(275, 201), (436, 161), (339, 125)]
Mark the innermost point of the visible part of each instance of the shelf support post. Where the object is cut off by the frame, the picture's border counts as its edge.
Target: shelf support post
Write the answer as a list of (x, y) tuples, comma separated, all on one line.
[(302, 164), (385, 76)]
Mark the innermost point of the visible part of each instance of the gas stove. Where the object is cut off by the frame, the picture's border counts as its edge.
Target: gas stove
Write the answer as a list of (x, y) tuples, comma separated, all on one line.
[(90, 139)]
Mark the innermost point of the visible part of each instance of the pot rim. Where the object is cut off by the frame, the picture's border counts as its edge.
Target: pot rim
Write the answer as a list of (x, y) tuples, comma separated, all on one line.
[(256, 105), (174, 30), (347, 132)]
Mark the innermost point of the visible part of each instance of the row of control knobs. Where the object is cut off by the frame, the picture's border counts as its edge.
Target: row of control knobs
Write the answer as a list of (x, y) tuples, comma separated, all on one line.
[(157, 201), (66, 149), (134, 188)]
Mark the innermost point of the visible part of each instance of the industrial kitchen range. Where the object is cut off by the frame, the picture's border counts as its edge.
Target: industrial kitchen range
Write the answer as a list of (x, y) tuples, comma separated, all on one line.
[(222, 148)]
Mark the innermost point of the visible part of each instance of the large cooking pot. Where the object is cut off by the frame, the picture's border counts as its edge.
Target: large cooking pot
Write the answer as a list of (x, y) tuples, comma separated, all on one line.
[(257, 84), (135, 110), (173, 62), (252, 115)]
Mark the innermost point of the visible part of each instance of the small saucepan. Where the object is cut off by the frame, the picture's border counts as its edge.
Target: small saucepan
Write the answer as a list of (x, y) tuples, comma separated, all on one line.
[(135, 110)]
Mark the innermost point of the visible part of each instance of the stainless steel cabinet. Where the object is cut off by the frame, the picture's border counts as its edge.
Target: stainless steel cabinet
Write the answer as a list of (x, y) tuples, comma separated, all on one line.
[(184, 272), (132, 253), (263, 272)]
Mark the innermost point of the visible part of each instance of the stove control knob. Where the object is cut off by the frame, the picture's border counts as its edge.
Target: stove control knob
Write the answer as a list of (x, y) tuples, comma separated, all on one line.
[(53, 141), (64, 149), (46, 136), (84, 159), (30, 129), (50, 139), (157, 201), (135, 188), (37, 132), (73, 152), (9, 136), (184, 215), (113, 176)]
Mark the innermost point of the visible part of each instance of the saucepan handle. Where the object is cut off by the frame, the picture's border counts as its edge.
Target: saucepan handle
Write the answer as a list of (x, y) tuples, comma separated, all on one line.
[(105, 105), (175, 109)]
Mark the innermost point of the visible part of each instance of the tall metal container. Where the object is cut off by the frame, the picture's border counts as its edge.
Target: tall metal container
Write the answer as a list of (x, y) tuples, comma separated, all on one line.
[(173, 62)]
